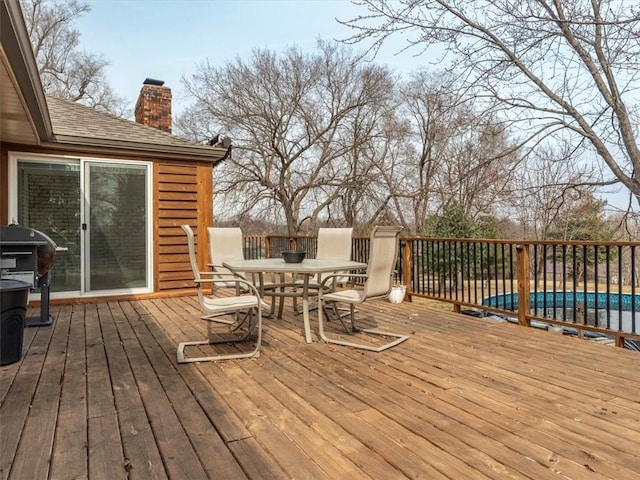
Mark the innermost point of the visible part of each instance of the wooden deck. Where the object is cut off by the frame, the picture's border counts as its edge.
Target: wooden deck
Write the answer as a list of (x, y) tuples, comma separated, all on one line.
[(99, 395)]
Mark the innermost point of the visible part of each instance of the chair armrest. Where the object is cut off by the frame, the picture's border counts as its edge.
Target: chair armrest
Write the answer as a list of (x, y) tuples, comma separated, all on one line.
[(232, 278), (217, 265), (222, 274), (342, 275)]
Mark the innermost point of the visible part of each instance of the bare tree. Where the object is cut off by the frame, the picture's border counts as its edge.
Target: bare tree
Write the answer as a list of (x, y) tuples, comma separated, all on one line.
[(460, 155), (297, 122), (546, 188), (480, 166), (380, 139), (65, 71), (428, 113), (550, 68)]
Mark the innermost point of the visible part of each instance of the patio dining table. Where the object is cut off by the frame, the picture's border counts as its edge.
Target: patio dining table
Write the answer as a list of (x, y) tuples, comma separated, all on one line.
[(305, 269)]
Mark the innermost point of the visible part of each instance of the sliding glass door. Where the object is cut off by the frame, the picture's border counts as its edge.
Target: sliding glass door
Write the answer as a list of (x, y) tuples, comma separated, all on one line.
[(48, 199), (117, 226), (98, 212)]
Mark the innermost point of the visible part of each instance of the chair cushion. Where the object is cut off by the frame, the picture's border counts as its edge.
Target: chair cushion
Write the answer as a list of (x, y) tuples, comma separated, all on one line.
[(349, 296), (230, 304)]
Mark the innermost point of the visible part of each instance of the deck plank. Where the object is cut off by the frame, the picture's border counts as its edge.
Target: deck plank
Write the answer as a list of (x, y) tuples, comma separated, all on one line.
[(105, 453), (332, 413), (141, 455), (209, 448), (179, 457), (39, 428), (229, 426), (284, 383), (393, 431), (69, 459), (16, 405)]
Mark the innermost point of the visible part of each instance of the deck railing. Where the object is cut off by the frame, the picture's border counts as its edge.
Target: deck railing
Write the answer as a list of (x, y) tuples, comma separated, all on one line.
[(587, 286)]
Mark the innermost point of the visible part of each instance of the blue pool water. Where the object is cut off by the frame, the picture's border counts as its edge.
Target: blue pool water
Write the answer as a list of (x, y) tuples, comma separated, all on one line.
[(615, 311), (613, 301)]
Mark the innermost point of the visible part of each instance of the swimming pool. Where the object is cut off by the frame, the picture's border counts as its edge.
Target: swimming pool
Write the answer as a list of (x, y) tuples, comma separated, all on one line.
[(614, 311)]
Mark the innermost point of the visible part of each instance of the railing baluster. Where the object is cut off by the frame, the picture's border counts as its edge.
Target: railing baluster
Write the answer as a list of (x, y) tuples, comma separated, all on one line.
[(457, 270), (536, 274), (608, 285), (553, 274), (585, 307), (482, 271), (545, 256), (564, 283), (475, 273), (596, 280), (575, 286), (620, 278), (469, 279), (633, 288), (511, 275)]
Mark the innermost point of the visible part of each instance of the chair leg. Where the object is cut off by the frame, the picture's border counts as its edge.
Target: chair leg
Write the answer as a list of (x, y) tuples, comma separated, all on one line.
[(398, 338), (180, 354), (213, 318), (280, 304), (272, 306)]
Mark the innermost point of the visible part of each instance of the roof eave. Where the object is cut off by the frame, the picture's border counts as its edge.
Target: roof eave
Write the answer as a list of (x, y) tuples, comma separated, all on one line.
[(17, 46), (198, 153)]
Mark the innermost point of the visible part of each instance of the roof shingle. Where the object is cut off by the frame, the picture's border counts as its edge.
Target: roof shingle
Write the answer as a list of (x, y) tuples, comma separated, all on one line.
[(72, 122)]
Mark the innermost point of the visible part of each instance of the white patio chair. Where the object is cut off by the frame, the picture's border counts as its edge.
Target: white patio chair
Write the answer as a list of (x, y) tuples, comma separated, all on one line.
[(332, 244), (378, 279), (225, 244), (250, 304)]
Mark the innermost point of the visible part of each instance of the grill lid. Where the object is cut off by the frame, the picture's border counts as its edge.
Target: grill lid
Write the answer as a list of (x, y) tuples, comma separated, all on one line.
[(45, 247)]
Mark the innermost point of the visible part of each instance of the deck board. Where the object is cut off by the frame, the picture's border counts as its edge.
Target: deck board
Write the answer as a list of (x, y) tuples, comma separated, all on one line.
[(40, 424), (99, 395), (189, 420), (105, 448), (16, 405), (69, 459), (142, 456)]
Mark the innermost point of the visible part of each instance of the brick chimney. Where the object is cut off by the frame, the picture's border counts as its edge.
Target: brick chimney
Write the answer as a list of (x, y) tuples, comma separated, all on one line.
[(153, 107)]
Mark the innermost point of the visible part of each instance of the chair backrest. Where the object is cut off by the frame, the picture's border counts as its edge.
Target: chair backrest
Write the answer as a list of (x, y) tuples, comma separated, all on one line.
[(383, 253), (334, 243), (191, 243), (225, 244)]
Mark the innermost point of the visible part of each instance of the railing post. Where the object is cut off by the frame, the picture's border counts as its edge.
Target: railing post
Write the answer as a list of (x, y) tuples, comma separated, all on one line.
[(523, 272), (407, 264)]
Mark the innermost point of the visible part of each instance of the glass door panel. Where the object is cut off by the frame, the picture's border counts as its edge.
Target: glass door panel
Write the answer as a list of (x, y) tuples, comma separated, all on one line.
[(117, 226), (48, 197)]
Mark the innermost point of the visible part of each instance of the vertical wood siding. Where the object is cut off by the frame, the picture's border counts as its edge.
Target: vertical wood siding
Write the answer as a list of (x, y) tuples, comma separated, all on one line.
[(183, 195)]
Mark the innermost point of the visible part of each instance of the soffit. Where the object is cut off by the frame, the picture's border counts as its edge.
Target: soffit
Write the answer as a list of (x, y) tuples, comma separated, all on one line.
[(24, 118), (16, 125)]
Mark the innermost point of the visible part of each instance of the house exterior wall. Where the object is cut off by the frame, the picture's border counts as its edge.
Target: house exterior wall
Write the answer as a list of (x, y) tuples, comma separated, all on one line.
[(182, 193)]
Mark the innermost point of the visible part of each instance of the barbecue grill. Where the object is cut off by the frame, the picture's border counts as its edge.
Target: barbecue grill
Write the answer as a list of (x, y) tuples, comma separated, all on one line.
[(27, 255)]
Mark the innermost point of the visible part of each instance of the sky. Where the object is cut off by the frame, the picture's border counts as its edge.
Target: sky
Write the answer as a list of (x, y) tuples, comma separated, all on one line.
[(166, 39)]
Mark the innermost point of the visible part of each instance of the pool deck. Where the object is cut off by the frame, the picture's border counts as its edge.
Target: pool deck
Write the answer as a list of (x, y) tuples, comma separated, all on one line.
[(99, 395)]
